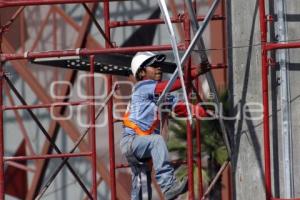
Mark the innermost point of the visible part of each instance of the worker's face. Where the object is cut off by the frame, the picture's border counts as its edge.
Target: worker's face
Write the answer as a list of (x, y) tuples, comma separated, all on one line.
[(153, 73)]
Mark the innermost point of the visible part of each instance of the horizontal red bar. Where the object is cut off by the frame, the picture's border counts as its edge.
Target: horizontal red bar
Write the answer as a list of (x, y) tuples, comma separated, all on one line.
[(114, 24), (20, 166), (75, 52), (43, 2), (290, 45), (45, 105), (215, 66), (46, 156)]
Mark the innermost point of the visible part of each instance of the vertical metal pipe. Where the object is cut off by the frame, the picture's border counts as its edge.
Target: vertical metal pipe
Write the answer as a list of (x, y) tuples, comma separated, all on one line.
[(265, 93), (166, 16), (286, 124), (199, 161), (93, 128), (110, 107), (224, 39), (54, 31), (187, 36), (1, 121), (198, 134), (22, 31)]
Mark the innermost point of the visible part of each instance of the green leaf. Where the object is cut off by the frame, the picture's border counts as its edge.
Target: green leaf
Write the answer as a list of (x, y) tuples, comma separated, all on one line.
[(221, 155)]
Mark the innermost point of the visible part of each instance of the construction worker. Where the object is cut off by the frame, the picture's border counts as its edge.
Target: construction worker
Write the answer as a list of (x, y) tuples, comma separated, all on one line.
[(141, 138)]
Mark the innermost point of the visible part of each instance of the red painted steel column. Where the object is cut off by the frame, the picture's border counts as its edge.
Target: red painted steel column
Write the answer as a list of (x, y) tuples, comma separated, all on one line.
[(93, 128), (190, 163), (265, 68), (110, 114), (198, 136), (1, 123), (198, 143), (199, 163)]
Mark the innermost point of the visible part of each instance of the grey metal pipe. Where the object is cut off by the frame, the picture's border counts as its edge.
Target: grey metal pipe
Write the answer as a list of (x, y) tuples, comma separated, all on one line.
[(165, 12), (204, 59), (190, 48), (286, 131)]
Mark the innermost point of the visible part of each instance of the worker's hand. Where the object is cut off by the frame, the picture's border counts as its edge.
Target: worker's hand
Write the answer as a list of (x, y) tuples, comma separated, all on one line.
[(204, 67)]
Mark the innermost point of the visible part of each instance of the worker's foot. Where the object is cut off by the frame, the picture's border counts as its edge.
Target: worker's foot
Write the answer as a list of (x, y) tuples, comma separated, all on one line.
[(177, 189)]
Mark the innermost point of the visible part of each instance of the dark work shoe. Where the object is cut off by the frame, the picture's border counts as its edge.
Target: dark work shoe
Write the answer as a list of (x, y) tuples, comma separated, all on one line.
[(177, 189)]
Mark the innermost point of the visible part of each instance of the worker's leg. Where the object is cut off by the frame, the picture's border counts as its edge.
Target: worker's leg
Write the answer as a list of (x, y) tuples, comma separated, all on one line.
[(153, 146), (136, 192), (141, 172)]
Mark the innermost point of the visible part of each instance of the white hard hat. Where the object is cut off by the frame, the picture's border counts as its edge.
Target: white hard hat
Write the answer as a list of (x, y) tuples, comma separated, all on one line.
[(143, 59)]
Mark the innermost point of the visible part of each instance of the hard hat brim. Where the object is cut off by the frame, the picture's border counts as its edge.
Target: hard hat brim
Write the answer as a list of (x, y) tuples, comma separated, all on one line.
[(155, 59)]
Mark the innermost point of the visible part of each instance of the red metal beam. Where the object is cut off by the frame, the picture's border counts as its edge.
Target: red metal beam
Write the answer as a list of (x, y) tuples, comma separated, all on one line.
[(274, 46), (46, 156), (51, 105), (111, 137), (114, 24), (4, 3), (218, 33), (265, 94), (2, 190), (189, 131), (19, 166), (84, 52), (199, 163), (91, 88)]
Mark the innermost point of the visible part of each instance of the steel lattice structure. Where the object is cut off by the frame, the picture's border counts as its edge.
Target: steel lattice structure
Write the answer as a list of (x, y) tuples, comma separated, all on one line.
[(87, 46)]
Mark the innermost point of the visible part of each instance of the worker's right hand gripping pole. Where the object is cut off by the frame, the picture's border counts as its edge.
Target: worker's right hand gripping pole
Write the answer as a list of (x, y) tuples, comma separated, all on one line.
[(167, 19), (204, 59)]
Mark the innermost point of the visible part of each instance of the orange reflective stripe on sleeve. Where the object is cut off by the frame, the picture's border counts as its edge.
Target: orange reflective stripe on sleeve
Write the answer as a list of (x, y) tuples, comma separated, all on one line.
[(128, 123)]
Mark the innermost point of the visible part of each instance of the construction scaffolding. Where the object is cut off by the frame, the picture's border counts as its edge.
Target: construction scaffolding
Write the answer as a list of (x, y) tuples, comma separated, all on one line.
[(282, 58), (87, 52)]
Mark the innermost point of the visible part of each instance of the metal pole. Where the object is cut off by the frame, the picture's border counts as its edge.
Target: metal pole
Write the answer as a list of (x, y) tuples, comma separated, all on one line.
[(286, 124), (265, 94), (1, 120), (140, 22), (187, 53), (93, 128), (198, 134), (110, 110), (290, 45), (209, 76), (165, 12), (187, 71), (4, 4), (199, 161), (85, 52)]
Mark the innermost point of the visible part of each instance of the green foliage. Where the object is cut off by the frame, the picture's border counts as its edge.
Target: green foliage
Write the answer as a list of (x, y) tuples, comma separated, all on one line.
[(212, 144)]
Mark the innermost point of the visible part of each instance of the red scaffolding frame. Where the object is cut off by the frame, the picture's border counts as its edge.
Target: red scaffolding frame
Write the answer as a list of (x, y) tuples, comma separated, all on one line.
[(265, 48), (47, 102)]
